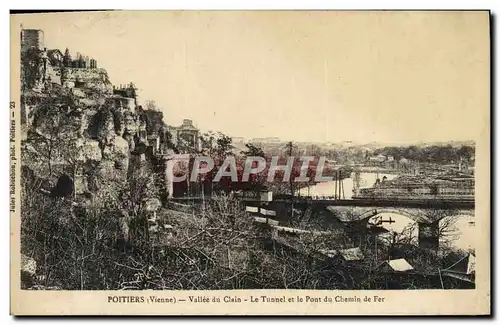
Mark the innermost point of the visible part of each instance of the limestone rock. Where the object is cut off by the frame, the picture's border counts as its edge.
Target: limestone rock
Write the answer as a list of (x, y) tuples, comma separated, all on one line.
[(107, 152), (121, 145), (121, 152), (89, 150), (130, 140), (131, 125)]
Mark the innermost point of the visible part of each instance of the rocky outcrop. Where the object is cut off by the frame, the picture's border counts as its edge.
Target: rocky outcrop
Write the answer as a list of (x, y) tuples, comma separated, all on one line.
[(90, 78), (89, 149), (121, 153), (113, 140), (54, 74)]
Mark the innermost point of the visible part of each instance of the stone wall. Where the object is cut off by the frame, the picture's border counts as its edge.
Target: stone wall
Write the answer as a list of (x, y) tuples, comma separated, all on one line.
[(95, 78)]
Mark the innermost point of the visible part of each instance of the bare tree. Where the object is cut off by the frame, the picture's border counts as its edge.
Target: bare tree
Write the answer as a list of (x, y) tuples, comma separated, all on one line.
[(448, 230)]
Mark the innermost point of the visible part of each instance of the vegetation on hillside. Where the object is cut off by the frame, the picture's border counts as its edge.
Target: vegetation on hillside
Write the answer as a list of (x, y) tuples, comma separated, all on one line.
[(430, 154)]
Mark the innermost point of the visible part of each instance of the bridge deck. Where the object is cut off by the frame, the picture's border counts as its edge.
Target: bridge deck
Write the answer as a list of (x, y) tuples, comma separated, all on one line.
[(406, 203)]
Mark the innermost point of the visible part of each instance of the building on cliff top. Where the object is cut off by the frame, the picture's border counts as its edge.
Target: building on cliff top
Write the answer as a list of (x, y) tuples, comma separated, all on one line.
[(34, 38), (185, 135), (82, 62), (128, 91), (55, 57), (124, 97), (58, 68)]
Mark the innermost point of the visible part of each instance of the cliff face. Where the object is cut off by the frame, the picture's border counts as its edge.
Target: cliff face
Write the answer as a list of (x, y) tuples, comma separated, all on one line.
[(74, 118), (91, 180)]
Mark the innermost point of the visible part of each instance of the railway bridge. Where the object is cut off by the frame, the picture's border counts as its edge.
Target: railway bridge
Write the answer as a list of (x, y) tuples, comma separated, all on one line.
[(355, 214)]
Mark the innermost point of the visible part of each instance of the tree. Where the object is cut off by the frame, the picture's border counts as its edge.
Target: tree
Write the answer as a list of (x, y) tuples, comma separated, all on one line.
[(153, 116), (224, 145), (253, 151), (290, 148), (216, 144), (151, 105), (31, 68), (466, 152), (207, 142), (81, 61)]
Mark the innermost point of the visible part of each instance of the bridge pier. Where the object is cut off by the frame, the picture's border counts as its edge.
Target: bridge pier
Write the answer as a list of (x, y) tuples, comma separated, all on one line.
[(428, 235)]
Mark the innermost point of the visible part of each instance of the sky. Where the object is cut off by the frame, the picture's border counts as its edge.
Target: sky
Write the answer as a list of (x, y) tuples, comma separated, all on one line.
[(298, 75)]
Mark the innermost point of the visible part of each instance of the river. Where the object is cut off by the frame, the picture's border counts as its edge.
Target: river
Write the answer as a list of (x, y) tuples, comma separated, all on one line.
[(366, 180)]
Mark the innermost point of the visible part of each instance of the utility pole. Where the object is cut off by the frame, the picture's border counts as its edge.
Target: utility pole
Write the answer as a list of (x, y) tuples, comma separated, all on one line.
[(336, 179), (342, 184), (203, 196), (339, 185), (440, 278), (290, 152)]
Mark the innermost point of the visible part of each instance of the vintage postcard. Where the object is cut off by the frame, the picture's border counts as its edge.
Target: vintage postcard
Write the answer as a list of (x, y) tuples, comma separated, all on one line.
[(250, 163)]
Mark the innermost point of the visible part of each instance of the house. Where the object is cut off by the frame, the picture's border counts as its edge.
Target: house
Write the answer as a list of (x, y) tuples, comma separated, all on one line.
[(186, 134), (55, 57), (395, 266), (403, 161), (390, 158), (464, 269), (379, 158)]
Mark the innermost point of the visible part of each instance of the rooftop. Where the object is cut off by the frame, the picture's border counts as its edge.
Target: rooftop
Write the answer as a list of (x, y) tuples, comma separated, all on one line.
[(398, 265), (186, 125)]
